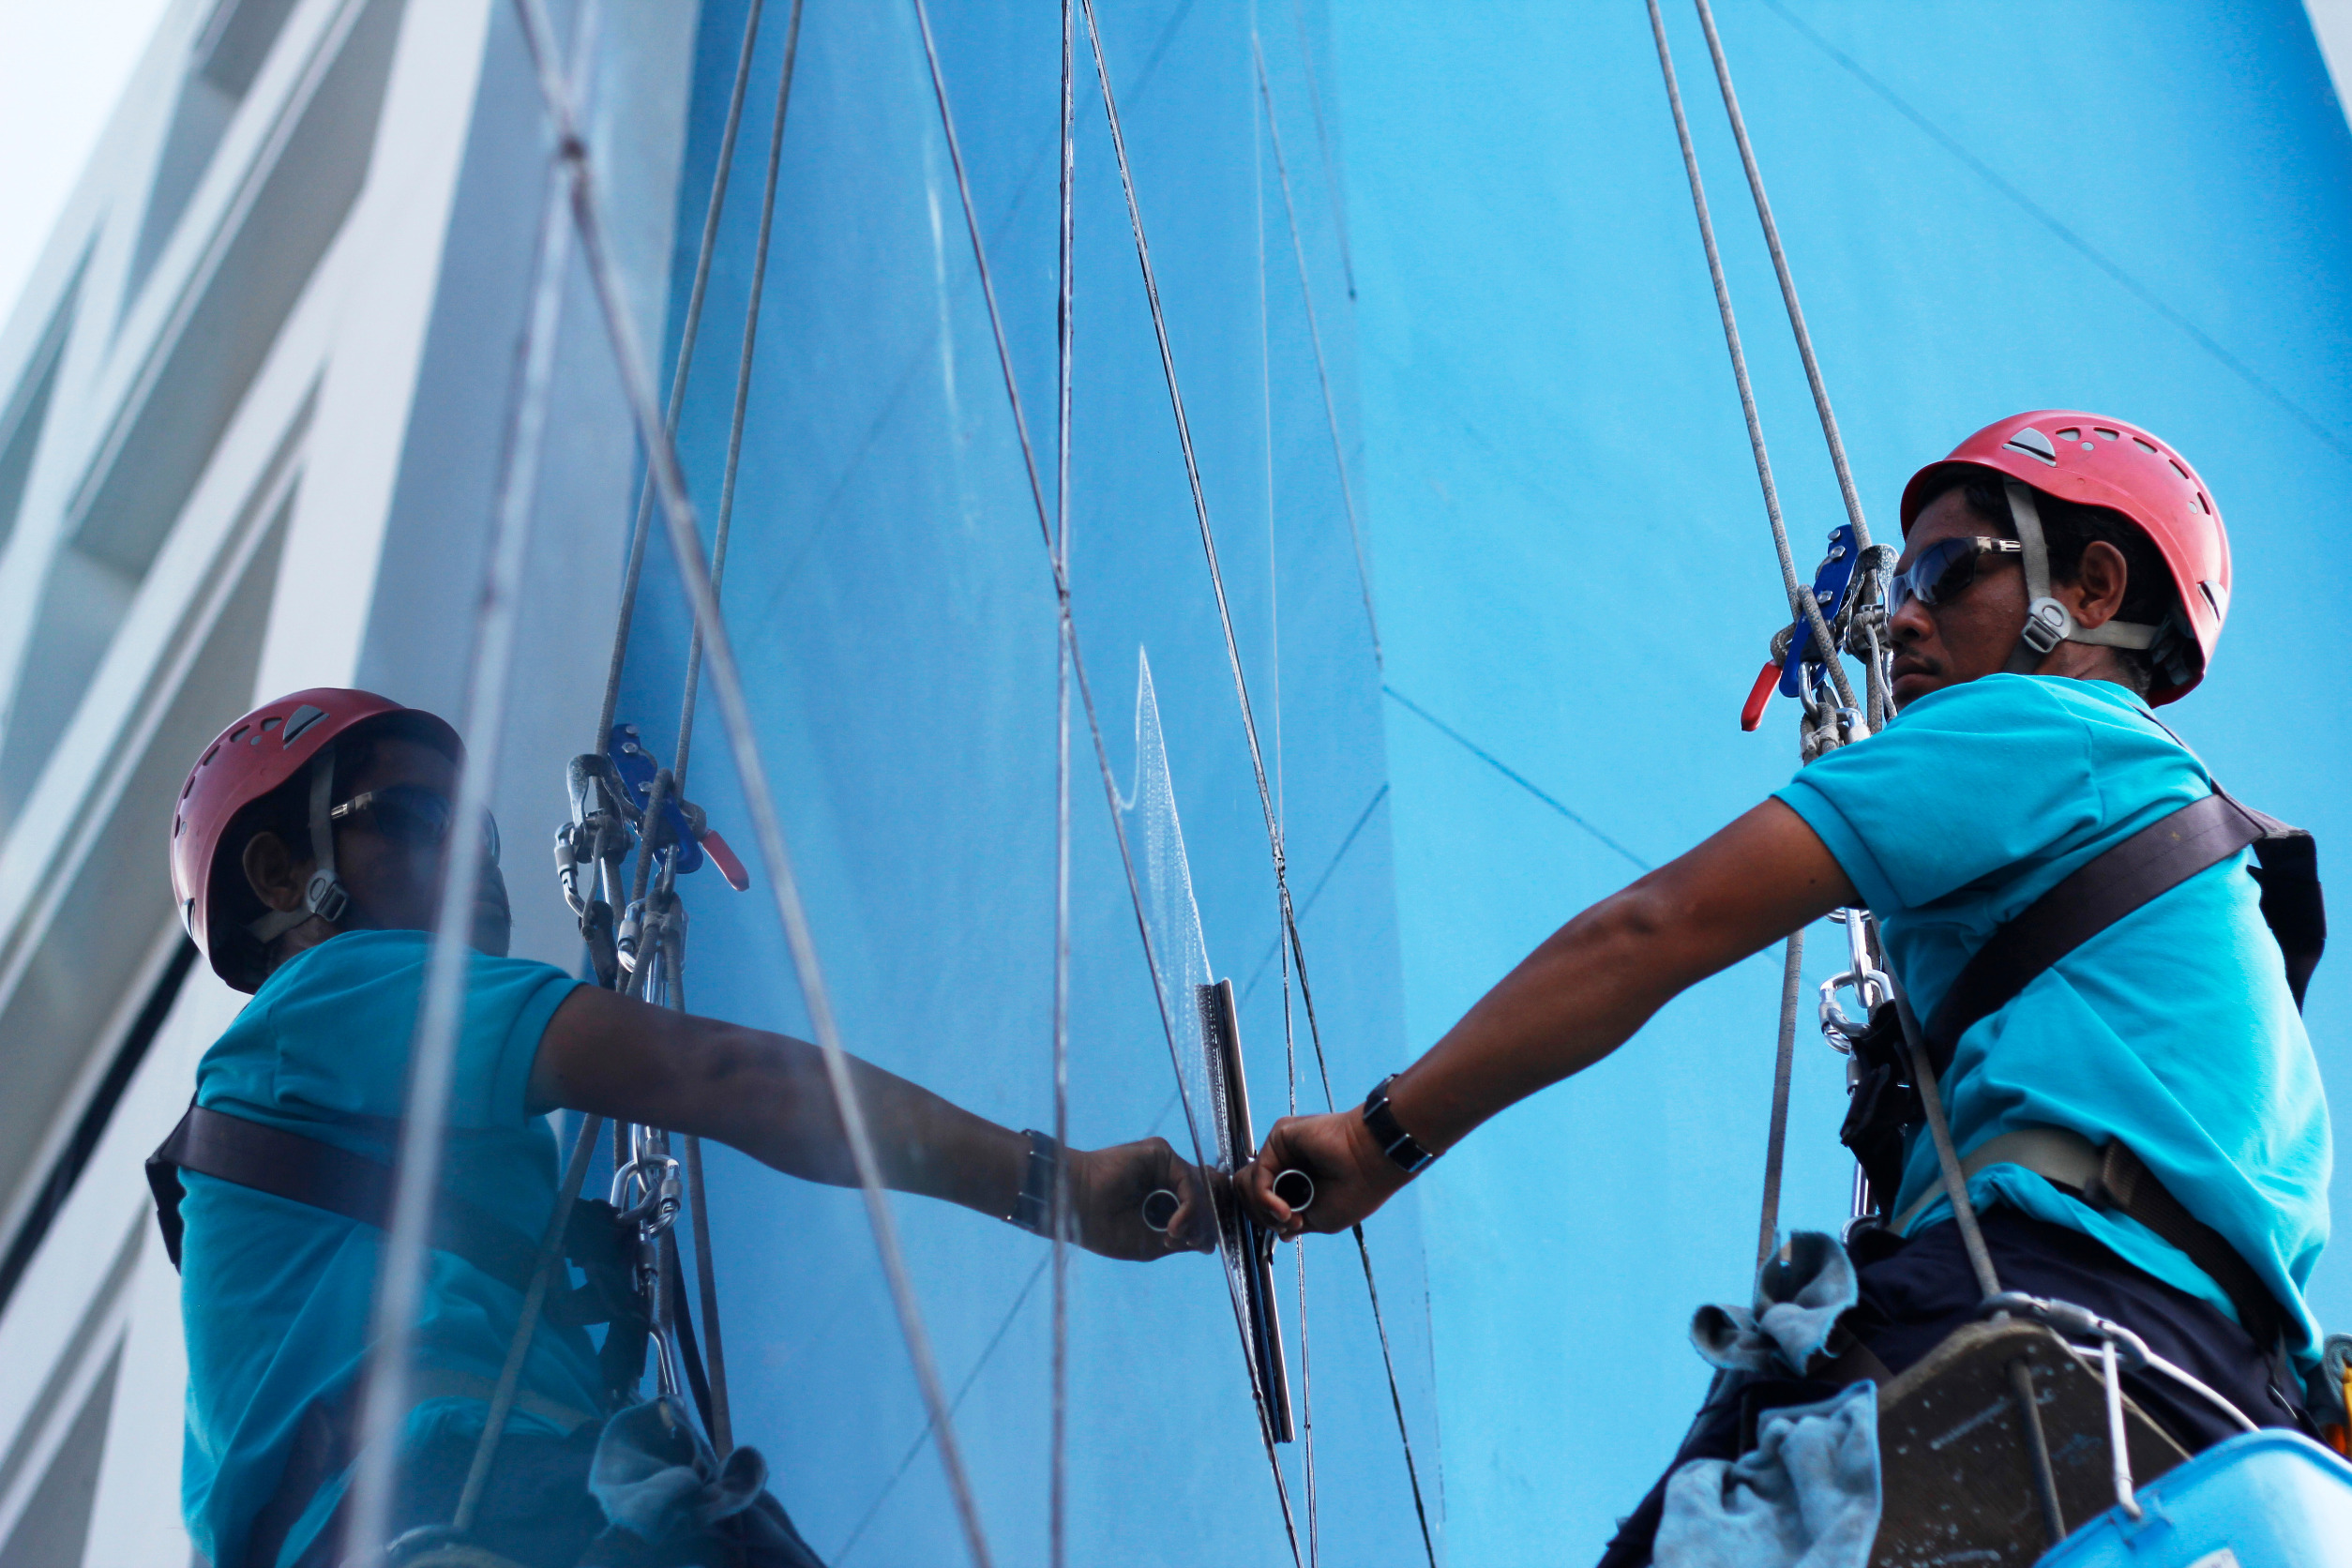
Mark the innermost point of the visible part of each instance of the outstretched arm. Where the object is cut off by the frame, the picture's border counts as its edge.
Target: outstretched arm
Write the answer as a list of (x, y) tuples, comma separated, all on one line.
[(768, 1095), (1569, 1003)]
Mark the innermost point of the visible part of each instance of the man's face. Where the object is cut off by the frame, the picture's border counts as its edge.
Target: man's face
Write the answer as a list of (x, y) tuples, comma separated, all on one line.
[(1971, 633), (396, 885)]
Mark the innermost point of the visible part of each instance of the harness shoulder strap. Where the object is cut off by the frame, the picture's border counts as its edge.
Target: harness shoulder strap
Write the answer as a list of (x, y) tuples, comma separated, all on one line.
[(309, 1171), (2152, 861)]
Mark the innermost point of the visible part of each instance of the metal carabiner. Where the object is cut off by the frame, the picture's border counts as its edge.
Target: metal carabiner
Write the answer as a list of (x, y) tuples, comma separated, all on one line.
[(1870, 984)]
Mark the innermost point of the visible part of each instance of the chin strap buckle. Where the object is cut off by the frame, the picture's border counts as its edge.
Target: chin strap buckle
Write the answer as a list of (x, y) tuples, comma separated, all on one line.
[(2048, 624)]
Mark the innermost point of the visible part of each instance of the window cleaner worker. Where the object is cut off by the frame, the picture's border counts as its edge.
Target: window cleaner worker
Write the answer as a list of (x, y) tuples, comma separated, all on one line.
[(2060, 574), (308, 851)]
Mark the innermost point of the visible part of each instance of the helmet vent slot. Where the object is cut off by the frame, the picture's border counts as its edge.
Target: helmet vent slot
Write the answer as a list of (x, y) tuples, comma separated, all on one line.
[(2033, 444), (2147, 446), (301, 719)]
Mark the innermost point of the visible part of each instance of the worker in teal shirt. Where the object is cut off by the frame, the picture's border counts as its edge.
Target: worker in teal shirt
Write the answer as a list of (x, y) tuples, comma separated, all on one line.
[(2061, 573), (309, 847)]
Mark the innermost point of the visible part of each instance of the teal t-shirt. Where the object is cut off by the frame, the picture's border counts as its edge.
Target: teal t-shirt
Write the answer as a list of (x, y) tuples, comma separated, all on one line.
[(2173, 1029), (276, 1295)]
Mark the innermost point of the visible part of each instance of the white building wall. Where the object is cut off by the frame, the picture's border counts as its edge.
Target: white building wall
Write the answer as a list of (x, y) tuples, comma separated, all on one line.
[(339, 456)]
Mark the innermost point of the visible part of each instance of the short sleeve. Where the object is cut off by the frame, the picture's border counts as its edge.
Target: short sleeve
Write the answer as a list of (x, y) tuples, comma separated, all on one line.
[(1963, 784), (340, 1031)]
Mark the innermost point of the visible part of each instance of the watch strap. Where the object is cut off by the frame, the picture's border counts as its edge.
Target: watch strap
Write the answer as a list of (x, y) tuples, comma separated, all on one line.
[(1400, 1147), (1032, 1210)]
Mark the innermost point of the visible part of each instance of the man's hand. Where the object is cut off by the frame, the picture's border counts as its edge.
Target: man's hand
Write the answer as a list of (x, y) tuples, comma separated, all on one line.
[(1108, 1187), (1351, 1176)]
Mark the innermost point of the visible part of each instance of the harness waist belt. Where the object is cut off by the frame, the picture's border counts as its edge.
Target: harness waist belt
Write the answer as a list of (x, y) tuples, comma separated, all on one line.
[(309, 1171), (2113, 1178)]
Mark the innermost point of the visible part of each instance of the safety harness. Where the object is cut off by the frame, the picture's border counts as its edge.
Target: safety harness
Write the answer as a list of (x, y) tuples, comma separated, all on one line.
[(1886, 1106), (323, 1175)]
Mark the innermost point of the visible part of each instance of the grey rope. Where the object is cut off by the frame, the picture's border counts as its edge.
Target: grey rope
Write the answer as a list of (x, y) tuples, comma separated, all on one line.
[(1056, 1499), (719, 534), (1086, 697), (1787, 282), (726, 678), (1314, 336), (433, 1058), (1792, 979), (1800, 596), (1322, 138), (1241, 688), (518, 1349), (692, 328)]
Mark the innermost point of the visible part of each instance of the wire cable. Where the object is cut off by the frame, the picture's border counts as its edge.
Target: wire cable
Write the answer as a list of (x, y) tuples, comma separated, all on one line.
[(1801, 600), (1241, 692), (726, 679), (1787, 281), (1322, 373), (692, 328), (1056, 1499), (1792, 979), (433, 1055), (1078, 676)]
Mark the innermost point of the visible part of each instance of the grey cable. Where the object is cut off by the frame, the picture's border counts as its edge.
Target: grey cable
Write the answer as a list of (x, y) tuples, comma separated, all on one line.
[(726, 678), (1241, 688), (1792, 979), (1078, 671), (1800, 602), (639, 531), (526, 1324), (432, 1057), (743, 390), (1787, 281), (706, 1293), (1057, 1490), (1322, 138), (1322, 374)]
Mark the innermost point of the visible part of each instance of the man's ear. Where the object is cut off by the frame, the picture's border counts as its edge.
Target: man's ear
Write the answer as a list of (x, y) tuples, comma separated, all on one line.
[(272, 873), (2099, 583)]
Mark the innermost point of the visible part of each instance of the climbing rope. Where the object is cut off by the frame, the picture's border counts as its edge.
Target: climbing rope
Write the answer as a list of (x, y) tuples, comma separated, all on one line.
[(726, 679), (1249, 724), (1315, 337), (1070, 642), (1066, 246), (400, 1274)]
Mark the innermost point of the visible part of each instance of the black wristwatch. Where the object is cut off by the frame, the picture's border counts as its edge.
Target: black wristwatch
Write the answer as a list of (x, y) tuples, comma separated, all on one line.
[(1032, 1210), (1395, 1142)]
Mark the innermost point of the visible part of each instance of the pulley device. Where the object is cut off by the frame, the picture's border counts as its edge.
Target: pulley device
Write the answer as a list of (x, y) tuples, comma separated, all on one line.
[(620, 797)]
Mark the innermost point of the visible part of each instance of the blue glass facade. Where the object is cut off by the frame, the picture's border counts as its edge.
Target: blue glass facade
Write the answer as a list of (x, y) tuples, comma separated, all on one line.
[(2123, 208)]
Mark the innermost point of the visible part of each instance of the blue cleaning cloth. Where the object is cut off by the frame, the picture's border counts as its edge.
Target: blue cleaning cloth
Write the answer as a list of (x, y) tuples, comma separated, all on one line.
[(1805, 1497), (1798, 1301)]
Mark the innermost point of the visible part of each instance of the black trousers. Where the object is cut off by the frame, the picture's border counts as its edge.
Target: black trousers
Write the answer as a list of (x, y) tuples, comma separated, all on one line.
[(1915, 1294)]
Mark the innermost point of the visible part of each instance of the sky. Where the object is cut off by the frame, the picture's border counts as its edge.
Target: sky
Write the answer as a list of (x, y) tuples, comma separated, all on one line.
[(60, 75)]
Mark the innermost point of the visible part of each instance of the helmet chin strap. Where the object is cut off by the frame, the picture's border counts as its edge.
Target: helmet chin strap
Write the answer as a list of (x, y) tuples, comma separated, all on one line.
[(325, 896), (2048, 623)]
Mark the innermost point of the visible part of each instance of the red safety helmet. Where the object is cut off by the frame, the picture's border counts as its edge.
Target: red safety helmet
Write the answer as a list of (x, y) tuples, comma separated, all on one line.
[(2099, 462), (251, 758)]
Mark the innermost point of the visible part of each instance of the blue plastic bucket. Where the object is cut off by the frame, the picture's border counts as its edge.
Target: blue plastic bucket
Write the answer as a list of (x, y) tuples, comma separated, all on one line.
[(2261, 1499)]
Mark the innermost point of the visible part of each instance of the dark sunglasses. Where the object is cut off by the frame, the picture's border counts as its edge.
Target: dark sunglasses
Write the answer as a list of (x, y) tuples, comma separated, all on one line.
[(413, 817), (1944, 571)]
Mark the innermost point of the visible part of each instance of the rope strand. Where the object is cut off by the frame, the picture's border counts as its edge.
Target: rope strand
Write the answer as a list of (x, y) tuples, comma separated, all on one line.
[(1801, 602), (726, 678), (432, 1056), (642, 529)]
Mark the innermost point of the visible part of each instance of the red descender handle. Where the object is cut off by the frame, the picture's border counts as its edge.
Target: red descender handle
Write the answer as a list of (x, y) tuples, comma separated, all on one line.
[(731, 868), (1750, 715)]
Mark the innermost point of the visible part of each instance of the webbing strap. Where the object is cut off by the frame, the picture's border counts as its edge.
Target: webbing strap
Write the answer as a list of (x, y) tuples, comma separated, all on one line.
[(2111, 1177), (2152, 861), (307, 1170)]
